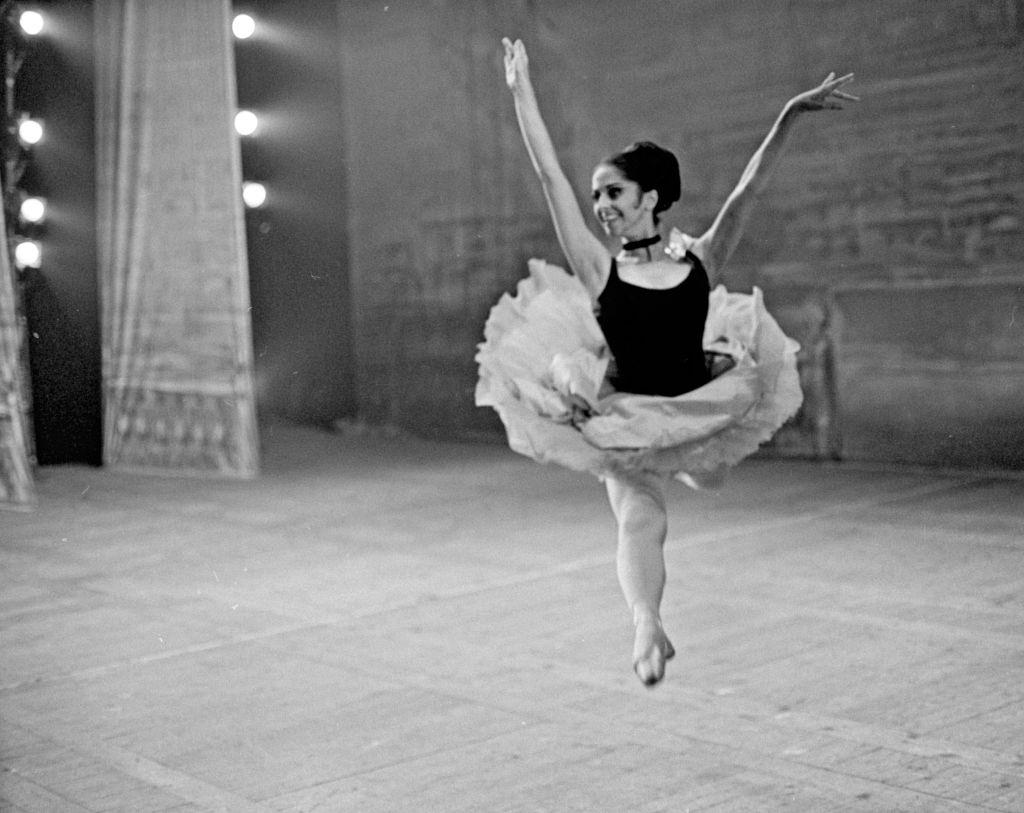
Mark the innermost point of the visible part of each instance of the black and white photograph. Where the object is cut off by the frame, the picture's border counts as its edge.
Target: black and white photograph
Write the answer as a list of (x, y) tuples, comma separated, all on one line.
[(512, 406)]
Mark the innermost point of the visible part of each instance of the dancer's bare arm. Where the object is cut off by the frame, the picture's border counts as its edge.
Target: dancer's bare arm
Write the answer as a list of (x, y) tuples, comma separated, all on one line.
[(587, 256), (716, 245)]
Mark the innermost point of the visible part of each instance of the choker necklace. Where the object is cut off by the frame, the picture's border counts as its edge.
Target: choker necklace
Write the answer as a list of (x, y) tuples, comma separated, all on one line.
[(644, 242)]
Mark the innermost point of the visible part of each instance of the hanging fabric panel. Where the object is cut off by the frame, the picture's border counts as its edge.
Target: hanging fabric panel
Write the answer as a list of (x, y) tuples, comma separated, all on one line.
[(177, 347), (17, 489)]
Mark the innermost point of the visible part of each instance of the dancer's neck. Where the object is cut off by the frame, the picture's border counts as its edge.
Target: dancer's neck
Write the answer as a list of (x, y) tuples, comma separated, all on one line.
[(640, 248)]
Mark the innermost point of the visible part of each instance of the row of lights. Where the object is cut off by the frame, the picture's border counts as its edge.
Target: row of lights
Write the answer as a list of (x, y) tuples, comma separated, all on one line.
[(254, 194), (32, 208)]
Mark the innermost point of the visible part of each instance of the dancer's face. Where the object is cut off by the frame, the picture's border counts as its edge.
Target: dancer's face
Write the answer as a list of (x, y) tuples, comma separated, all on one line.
[(622, 207)]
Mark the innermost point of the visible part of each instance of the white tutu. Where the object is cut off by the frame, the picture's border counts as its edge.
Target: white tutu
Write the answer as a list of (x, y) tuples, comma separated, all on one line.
[(543, 365)]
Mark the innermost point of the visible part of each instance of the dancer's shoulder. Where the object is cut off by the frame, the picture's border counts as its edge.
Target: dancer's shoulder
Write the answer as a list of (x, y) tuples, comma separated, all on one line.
[(680, 244)]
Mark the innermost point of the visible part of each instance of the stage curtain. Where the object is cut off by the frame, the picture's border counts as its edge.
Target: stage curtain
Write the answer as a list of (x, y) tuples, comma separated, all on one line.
[(176, 330), (17, 489)]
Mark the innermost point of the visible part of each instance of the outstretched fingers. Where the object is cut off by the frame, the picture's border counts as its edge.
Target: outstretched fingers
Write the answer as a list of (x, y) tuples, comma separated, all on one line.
[(832, 85), (513, 48), (828, 95), (515, 62)]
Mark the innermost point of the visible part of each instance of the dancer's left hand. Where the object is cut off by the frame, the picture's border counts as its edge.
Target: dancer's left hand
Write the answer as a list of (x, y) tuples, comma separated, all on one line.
[(826, 96)]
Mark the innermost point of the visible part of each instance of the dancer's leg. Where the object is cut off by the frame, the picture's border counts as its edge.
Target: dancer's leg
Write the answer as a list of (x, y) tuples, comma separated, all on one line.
[(638, 502)]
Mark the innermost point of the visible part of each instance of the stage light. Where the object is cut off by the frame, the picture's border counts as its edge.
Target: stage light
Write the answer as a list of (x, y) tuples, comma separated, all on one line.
[(245, 122), (33, 210), (30, 131), (254, 194), (28, 254), (31, 22), (243, 26)]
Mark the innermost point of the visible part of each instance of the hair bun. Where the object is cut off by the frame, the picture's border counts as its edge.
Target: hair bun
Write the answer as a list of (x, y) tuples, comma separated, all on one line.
[(652, 167)]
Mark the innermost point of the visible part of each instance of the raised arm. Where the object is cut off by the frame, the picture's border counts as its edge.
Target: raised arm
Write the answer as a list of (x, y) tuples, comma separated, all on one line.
[(716, 245), (587, 256)]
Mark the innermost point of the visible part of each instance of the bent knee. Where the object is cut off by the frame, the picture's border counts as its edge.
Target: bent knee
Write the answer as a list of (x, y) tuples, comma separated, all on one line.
[(639, 508), (644, 518), (636, 492)]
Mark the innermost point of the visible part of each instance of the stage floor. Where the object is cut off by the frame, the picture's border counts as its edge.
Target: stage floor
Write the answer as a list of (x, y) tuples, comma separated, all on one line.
[(389, 624)]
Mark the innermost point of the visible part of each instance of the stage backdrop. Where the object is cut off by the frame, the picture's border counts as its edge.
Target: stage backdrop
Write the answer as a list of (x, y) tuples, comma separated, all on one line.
[(17, 489), (177, 358)]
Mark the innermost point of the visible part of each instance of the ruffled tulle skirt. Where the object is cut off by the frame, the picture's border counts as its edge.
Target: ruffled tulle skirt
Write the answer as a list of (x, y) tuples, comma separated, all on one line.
[(543, 367)]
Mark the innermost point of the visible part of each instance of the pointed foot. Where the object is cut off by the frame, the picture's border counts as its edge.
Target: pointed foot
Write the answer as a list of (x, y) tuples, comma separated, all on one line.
[(651, 651)]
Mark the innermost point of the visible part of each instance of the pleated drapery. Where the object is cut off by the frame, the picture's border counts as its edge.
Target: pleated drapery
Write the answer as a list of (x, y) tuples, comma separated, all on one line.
[(176, 330), (17, 488)]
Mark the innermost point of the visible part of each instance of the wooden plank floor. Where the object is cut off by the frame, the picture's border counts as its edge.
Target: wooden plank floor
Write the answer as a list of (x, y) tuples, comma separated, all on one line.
[(385, 624)]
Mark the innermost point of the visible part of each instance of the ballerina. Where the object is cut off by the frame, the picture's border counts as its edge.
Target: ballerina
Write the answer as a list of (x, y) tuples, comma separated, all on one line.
[(632, 368)]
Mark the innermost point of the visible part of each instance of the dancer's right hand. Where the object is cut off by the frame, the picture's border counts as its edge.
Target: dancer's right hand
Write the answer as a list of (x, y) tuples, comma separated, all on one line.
[(517, 74)]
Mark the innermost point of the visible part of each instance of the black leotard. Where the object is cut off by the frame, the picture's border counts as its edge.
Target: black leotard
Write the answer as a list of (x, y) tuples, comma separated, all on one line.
[(656, 335)]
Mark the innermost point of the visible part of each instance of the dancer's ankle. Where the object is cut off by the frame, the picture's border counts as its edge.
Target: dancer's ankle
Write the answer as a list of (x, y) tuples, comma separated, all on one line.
[(643, 613)]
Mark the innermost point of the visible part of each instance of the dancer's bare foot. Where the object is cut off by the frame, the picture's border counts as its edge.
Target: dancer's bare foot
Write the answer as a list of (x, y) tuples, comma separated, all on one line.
[(651, 650)]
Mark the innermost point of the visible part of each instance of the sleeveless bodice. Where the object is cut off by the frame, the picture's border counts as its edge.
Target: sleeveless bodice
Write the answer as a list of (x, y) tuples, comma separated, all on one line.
[(656, 335)]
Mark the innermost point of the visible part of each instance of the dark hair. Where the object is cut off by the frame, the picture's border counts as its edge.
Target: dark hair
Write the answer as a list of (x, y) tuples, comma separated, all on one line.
[(652, 167)]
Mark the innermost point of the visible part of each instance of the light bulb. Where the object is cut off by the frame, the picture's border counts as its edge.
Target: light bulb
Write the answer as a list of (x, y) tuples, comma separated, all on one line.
[(243, 26), (254, 194), (30, 131), (27, 254), (31, 22), (245, 122), (33, 210)]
